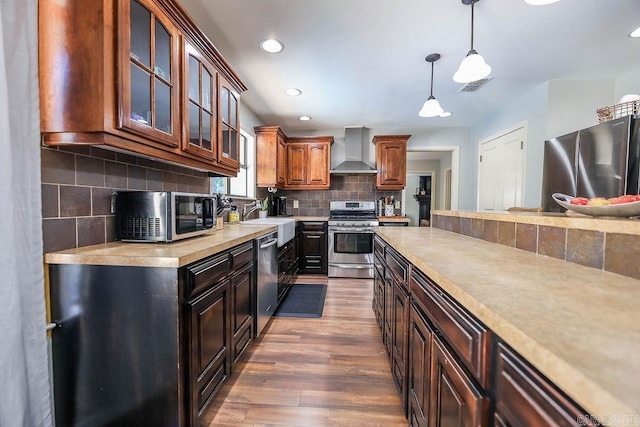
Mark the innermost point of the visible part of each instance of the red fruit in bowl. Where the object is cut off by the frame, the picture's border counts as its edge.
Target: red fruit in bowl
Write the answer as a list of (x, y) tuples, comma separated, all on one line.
[(579, 201), (627, 198)]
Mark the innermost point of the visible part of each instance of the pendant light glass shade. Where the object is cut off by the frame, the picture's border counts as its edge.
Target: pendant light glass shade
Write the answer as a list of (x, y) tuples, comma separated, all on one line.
[(473, 67), (431, 108)]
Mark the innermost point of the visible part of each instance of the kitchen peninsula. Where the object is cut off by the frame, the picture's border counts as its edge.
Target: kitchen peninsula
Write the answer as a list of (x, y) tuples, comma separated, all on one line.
[(579, 326)]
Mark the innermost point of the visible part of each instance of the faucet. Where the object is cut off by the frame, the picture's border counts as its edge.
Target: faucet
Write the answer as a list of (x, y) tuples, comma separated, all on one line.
[(249, 208)]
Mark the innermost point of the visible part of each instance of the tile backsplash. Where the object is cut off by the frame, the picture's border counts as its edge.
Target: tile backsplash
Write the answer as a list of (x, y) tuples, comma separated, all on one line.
[(343, 187), (77, 183)]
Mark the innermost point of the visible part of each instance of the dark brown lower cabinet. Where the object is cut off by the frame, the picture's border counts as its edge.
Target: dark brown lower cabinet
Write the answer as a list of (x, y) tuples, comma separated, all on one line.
[(524, 398), (387, 335), (242, 287), (450, 369), (218, 322), (378, 293), (209, 356), (287, 267), (419, 376), (313, 247), (455, 401), (400, 342)]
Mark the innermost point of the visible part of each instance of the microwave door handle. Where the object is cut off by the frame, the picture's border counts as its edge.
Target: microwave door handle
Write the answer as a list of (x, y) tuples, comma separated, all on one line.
[(207, 212)]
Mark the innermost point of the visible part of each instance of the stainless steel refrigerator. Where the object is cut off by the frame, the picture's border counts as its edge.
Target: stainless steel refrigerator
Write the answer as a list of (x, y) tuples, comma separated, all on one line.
[(602, 160)]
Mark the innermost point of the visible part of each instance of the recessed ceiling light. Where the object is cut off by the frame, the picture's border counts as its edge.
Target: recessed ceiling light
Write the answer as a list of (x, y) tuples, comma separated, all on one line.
[(445, 114), (292, 91), (635, 33), (271, 45), (304, 118)]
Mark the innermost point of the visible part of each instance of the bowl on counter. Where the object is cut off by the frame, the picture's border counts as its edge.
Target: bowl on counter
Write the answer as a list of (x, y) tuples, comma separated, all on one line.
[(621, 210)]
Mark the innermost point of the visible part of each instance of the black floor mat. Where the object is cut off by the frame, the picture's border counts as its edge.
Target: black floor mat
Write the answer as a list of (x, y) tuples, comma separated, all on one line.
[(303, 301)]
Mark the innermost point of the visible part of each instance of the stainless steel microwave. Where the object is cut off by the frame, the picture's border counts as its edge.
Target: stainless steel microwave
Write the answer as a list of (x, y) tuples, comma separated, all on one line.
[(163, 216)]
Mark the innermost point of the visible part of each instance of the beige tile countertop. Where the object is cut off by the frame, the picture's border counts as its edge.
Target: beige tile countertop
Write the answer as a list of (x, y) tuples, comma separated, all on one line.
[(175, 254), (579, 326)]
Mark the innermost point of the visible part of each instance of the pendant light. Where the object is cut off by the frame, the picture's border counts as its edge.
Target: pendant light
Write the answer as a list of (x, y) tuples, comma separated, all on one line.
[(431, 107), (473, 67)]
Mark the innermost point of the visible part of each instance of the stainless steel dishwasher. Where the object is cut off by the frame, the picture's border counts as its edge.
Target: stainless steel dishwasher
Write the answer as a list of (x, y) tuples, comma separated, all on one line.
[(266, 280)]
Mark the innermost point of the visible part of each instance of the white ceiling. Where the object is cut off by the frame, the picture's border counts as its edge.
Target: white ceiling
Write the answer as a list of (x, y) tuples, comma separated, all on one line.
[(361, 62)]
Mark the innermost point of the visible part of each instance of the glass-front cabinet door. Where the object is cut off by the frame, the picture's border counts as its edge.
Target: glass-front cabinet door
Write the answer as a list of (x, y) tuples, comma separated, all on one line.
[(229, 134), (200, 117), (148, 67)]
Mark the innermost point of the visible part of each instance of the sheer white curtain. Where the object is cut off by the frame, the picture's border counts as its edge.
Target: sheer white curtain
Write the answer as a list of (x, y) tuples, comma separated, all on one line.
[(24, 373)]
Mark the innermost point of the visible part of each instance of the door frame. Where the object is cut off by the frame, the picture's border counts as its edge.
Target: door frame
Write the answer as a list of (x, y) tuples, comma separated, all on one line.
[(522, 125), (455, 168), (406, 195)]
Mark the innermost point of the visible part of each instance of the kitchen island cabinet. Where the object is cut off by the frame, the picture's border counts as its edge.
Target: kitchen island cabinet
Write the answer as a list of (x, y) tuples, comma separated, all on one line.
[(146, 334), (561, 321)]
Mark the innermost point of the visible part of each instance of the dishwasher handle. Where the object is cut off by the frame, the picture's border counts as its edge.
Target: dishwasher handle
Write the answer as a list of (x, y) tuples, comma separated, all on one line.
[(269, 243)]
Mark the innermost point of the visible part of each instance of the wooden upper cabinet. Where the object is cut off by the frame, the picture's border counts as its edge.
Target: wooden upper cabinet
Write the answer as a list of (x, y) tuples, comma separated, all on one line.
[(229, 135), (391, 161), (318, 170), (271, 156), (118, 73), (308, 160), (297, 164), (200, 133), (148, 45), (281, 159), (292, 163)]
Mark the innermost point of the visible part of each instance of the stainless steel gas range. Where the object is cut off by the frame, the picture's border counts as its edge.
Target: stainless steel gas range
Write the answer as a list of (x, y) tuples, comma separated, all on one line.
[(351, 238)]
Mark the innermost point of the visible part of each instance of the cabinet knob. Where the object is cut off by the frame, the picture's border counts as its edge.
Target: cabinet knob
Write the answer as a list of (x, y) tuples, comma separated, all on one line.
[(446, 361)]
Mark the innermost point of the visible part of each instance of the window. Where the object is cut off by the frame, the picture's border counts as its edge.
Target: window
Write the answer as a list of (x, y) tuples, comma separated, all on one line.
[(244, 184)]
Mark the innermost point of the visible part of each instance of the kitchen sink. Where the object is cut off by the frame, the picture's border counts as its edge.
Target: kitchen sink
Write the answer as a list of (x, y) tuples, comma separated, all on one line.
[(286, 227)]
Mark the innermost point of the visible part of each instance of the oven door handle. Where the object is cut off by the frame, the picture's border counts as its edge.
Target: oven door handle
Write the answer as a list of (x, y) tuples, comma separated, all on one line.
[(351, 230)]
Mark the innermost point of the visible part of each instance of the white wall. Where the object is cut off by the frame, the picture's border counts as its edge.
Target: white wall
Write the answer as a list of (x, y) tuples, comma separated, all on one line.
[(626, 84), (573, 104), (248, 120), (532, 109), (552, 109)]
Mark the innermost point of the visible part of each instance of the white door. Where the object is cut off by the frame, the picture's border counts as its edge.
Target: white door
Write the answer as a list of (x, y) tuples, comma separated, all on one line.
[(501, 171)]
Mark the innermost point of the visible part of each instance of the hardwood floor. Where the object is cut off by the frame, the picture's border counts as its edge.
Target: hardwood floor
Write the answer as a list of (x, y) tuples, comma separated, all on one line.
[(331, 371)]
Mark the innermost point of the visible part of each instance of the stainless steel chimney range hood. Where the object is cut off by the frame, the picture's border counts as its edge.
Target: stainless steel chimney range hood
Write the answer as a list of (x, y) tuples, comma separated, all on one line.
[(356, 148)]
